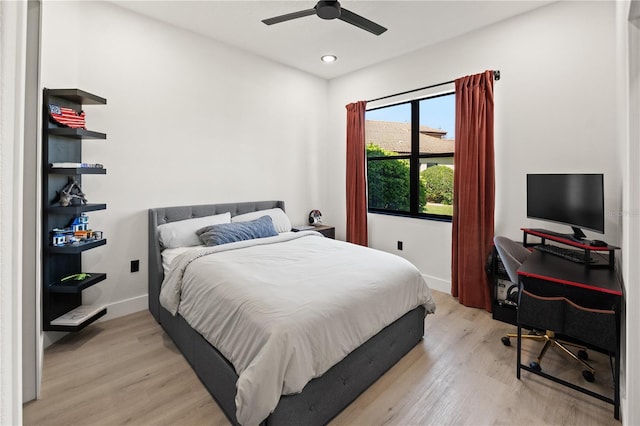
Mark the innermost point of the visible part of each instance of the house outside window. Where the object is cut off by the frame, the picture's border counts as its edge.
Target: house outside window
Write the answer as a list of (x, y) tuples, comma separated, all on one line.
[(410, 149)]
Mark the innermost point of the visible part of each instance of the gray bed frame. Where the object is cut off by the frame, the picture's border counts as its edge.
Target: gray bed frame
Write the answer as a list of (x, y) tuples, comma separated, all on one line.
[(322, 398)]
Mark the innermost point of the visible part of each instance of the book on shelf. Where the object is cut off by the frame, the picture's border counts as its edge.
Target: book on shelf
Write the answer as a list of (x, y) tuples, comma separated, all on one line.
[(78, 315), (70, 165)]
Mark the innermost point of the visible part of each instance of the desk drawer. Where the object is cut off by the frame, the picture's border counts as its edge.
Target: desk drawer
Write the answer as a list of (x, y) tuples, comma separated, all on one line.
[(597, 327)]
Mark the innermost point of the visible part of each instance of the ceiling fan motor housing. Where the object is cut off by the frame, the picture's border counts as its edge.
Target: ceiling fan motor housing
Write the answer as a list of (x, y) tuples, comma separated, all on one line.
[(328, 9)]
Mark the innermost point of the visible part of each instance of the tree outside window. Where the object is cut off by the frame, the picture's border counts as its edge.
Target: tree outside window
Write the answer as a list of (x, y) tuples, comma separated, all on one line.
[(410, 148)]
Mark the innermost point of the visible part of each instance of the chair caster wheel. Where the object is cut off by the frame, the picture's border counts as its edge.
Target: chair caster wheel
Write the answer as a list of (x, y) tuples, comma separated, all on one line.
[(583, 355), (506, 341), (588, 376), (535, 366)]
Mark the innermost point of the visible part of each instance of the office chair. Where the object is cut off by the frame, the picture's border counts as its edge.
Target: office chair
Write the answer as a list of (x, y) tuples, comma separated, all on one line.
[(513, 255)]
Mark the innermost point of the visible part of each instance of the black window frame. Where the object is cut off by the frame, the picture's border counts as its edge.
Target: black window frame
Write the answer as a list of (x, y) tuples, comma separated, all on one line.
[(414, 165)]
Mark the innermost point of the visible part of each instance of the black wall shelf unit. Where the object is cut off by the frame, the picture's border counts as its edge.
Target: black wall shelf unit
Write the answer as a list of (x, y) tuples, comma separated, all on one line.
[(75, 210), (77, 248), (63, 144), (76, 171), (72, 286), (76, 133)]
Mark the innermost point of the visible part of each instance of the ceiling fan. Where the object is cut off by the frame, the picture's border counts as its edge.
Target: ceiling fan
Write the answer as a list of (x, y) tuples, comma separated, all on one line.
[(331, 10)]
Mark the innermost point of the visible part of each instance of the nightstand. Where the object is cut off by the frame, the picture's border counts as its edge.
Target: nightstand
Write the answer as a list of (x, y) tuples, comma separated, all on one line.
[(327, 231)]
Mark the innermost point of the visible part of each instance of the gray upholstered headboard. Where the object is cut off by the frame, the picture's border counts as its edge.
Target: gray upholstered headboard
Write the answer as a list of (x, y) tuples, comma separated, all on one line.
[(162, 215)]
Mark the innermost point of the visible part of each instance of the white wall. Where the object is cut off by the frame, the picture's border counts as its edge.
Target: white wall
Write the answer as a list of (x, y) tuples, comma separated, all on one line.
[(13, 42), (188, 121), (555, 110), (31, 266), (629, 123)]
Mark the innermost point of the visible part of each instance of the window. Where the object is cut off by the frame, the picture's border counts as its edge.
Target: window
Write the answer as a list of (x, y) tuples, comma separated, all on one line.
[(410, 149)]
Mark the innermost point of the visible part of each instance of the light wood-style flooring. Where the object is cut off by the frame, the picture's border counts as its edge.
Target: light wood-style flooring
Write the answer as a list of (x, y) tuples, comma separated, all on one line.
[(127, 371)]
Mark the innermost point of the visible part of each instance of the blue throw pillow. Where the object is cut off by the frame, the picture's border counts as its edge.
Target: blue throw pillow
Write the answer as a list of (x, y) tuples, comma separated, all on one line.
[(225, 233)]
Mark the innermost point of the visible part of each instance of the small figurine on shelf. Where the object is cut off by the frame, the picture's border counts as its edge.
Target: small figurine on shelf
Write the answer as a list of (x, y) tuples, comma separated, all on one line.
[(77, 277), (59, 237), (80, 223), (70, 192), (66, 117), (77, 232), (62, 237)]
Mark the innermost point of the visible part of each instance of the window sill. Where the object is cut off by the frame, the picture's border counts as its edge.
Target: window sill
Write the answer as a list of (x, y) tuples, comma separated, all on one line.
[(423, 216)]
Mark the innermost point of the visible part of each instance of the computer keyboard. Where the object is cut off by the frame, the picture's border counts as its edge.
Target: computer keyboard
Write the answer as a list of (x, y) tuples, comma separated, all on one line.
[(565, 253)]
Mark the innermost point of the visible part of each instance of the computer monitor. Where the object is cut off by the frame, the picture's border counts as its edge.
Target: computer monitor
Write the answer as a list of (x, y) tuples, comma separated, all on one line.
[(576, 200)]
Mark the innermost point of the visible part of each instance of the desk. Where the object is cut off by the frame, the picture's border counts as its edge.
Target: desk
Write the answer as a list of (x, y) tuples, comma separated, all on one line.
[(547, 275)]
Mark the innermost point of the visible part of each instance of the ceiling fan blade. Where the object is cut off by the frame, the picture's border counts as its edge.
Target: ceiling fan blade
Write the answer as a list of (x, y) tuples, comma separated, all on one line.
[(361, 22), (289, 16)]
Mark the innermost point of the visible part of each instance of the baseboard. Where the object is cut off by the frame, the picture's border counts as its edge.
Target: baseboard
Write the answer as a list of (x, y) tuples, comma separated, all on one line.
[(126, 307), (438, 284)]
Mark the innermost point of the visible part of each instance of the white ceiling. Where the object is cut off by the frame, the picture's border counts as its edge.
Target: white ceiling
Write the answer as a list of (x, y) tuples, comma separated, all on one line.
[(301, 42)]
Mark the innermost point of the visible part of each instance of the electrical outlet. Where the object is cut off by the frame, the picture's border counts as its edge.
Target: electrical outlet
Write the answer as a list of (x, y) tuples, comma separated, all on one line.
[(135, 265), (399, 245)]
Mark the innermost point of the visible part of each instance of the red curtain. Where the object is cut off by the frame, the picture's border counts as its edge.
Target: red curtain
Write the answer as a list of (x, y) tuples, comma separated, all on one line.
[(356, 175), (473, 190)]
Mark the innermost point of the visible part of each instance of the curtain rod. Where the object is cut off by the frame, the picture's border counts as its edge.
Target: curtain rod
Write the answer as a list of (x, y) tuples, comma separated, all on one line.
[(496, 76)]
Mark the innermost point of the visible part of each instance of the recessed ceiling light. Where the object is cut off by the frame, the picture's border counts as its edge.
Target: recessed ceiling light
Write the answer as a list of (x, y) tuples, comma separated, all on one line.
[(329, 58)]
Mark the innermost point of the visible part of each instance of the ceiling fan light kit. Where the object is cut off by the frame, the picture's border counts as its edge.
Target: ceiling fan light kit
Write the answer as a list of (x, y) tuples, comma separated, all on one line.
[(327, 9)]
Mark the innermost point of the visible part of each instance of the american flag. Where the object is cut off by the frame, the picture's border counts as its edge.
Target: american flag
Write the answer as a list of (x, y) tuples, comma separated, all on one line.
[(67, 117)]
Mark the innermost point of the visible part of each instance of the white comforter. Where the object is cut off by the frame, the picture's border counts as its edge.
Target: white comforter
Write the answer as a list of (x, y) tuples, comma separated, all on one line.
[(285, 309)]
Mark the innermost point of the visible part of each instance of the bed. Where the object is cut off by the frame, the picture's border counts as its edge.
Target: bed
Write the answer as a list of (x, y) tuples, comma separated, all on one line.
[(323, 396)]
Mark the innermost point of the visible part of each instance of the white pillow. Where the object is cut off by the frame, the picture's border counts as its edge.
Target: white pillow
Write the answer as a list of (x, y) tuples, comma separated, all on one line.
[(280, 219), (169, 254), (182, 233)]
